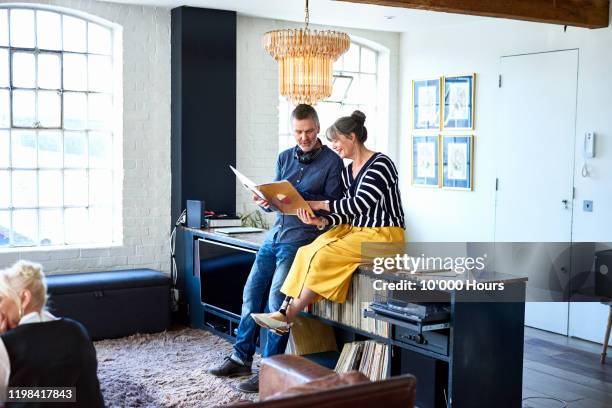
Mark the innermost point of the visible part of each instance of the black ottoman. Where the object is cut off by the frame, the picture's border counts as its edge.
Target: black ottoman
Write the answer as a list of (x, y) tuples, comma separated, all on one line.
[(113, 304)]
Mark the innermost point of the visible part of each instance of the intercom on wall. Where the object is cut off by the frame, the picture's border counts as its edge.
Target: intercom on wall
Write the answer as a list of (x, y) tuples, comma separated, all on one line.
[(589, 145), (588, 151)]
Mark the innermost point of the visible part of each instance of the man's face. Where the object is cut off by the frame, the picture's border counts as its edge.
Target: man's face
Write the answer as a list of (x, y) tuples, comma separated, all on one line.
[(305, 132)]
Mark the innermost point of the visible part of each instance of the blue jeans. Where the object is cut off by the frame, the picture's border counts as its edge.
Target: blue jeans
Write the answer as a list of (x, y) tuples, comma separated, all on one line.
[(269, 271)]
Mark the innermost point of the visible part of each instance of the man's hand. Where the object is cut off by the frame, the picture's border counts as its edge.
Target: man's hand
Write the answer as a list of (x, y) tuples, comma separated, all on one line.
[(261, 202), (308, 219)]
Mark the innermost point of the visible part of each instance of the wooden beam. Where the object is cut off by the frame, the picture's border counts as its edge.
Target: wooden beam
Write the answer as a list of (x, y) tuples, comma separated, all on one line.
[(578, 13)]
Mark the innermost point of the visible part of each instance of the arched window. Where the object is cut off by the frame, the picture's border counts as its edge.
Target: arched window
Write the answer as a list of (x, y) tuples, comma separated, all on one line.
[(356, 76), (56, 128)]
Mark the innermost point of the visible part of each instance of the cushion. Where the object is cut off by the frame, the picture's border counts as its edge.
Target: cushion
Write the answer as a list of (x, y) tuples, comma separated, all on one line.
[(94, 281)]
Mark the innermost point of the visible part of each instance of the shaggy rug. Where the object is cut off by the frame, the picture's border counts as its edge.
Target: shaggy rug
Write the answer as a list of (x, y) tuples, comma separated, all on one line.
[(166, 370)]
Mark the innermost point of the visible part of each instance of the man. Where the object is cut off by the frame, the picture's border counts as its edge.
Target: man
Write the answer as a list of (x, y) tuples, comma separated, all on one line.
[(315, 171)]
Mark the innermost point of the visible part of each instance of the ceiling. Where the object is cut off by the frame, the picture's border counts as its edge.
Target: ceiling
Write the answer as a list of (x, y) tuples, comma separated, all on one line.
[(326, 12)]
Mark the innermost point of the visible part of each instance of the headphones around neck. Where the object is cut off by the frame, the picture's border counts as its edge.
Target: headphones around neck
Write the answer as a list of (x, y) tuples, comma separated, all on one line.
[(307, 157)]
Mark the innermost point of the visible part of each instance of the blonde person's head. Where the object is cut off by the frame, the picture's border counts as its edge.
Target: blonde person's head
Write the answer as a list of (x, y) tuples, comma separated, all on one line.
[(22, 290)]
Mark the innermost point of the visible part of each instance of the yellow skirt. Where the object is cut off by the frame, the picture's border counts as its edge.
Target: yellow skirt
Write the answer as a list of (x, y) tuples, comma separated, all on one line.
[(327, 264)]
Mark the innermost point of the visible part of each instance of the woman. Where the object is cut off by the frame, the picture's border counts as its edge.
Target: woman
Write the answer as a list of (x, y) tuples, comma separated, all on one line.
[(38, 349), (371, 211)]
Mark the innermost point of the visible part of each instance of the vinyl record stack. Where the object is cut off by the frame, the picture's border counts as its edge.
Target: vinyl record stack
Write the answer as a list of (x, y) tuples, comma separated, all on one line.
[(350, 313), (369, 357)]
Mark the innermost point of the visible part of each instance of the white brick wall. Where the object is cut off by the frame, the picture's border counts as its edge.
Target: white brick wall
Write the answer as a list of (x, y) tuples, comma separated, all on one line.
[(257, 113), (146, 147)]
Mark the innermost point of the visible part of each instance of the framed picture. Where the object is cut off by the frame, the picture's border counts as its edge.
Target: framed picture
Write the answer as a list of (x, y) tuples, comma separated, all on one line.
[(459, 102), (425, 161), (426, 104), (457, 162)]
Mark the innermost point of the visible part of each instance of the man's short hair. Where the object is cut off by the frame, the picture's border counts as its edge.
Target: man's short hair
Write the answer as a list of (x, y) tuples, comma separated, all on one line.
[(303, 111)]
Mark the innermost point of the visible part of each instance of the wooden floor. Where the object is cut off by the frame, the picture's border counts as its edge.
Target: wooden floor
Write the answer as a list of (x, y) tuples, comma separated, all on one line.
[(567, 369)]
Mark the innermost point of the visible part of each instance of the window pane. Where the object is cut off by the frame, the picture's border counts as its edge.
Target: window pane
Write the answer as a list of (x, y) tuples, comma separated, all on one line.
[(100, 111), (101, 188), (100, 148), (5, 189), (75, 149), (339, 63), (22, 28), (5, 228), (101, 221), (75, 38), (24, 108), (351, 59), (368, 89), (23, 152), (50, 149), (100, 69), (24, 70), (25, 226), (340, 87), (99, 39), (75, 193), (4, 149), (75, 72), (50, 188), (49, 31), (76, 225), (51, 227), (368, 60), (4, 39), (24, 188), (75, 110), (328, 113), (49, 71), (354, 96), (5, 112), (49, 109), (4, 71)]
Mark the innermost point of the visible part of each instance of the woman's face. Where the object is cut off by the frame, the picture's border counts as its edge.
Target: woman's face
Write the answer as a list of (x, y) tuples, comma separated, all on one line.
[(344, 146), (9, 312)]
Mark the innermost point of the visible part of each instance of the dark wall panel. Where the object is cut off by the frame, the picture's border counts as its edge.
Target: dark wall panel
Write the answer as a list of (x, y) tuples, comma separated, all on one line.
[(203, 108)]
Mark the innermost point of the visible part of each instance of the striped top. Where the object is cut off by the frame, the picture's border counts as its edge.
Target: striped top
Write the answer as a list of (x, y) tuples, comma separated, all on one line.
[(372, 199)]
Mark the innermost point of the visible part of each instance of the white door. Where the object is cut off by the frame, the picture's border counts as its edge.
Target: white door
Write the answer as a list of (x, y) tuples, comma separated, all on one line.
[(534, 155)]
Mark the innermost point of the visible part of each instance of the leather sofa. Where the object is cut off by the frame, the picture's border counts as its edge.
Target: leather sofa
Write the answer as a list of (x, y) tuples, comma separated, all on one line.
[(293, 381)]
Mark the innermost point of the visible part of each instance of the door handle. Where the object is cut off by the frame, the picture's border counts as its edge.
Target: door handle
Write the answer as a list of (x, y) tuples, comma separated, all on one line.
[(564, 202)]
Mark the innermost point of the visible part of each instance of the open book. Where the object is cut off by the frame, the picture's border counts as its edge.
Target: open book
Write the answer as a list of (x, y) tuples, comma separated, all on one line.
[(281, 195)]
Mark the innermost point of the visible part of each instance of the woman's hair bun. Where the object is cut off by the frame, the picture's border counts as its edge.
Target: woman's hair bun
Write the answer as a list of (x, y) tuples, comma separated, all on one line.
[(359, 117)]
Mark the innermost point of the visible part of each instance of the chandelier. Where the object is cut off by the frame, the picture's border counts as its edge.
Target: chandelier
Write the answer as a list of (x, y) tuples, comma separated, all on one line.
[(305, 61)]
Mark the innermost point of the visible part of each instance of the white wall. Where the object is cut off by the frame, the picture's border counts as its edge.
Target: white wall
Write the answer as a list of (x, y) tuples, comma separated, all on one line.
[(441, 215), (257, 113), (146, 148)]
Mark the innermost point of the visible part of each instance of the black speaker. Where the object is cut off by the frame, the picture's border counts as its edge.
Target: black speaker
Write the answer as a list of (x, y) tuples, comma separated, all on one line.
[(194, 213), (603, 274)]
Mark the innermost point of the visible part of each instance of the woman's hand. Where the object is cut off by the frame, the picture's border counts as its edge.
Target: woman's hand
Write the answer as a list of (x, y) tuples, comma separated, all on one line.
[(306, 218), (319, 205)]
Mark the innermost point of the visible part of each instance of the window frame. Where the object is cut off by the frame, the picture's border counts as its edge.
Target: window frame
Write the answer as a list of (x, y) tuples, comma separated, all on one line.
[(110, 130)]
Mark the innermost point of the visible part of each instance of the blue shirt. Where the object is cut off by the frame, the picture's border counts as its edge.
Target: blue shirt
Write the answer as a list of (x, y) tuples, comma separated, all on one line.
[(321, 179)]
